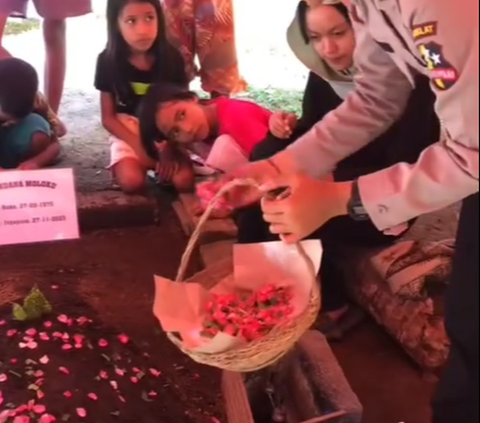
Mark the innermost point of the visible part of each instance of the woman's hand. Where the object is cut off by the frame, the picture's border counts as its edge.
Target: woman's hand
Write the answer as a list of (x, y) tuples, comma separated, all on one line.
[(282, 124), (310, 203)]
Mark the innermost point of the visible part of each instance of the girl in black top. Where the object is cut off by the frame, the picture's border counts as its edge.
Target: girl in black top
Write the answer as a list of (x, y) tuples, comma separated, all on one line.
[(137, 55)]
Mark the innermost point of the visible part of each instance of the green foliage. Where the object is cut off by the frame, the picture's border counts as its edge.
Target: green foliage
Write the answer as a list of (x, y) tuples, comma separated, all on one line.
[(35, 306)]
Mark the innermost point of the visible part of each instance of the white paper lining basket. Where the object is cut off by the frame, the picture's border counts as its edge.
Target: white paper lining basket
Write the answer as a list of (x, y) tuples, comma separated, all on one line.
[(266, 350)]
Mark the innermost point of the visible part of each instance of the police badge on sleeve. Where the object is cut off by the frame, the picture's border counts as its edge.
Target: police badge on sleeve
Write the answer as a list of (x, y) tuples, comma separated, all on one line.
[(443, 74)]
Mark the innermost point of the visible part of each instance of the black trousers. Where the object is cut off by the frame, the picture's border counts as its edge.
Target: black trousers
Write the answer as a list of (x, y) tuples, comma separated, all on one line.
[(456, 399)]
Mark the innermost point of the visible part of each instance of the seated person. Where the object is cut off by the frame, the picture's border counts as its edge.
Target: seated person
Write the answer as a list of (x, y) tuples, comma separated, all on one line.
[(130, 63), (321, 36), (27, 140), (222, 130)]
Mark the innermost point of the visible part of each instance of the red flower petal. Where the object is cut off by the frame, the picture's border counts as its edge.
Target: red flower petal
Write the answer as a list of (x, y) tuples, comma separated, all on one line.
[(102, 343), (123, 339), (48, 324), (82, 412), (62, 318), (82, 320), (66, 347), (155, 372), (93, 396), (47, 418), (44, 336), (64, 370), (11, 332), (39, 409), (31, 332), (67, 394), (21, 419)]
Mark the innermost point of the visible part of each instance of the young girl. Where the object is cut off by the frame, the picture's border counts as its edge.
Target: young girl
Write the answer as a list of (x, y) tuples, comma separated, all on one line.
[(137, 54), (225, 129)]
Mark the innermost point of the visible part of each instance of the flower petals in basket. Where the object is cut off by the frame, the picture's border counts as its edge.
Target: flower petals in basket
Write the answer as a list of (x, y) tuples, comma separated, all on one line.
[(184, 307)]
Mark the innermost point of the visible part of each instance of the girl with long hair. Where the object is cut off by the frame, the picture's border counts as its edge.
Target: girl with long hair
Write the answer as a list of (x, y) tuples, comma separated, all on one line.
[(136, 56)]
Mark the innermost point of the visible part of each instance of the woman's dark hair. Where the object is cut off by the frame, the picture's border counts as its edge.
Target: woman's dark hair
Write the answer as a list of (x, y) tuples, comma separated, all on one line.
[(302, 16), (157, 95), (18, 87), (168, 62)]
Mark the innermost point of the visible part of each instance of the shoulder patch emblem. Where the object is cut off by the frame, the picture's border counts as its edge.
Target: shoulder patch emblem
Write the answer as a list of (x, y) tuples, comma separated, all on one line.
[(442, 74), (423, 30)]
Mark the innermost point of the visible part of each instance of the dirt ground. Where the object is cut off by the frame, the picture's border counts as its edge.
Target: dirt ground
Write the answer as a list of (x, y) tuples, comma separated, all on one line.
[(107, 276)]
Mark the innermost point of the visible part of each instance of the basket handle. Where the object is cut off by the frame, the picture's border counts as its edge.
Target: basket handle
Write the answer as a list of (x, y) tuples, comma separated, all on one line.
[(185, 260), (203, 219)]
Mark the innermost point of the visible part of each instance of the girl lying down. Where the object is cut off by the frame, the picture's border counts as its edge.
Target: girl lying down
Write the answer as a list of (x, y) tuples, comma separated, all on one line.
[(175, 123)]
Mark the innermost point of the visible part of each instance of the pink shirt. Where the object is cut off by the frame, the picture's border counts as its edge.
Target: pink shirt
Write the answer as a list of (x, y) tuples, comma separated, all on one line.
[(244, 121)]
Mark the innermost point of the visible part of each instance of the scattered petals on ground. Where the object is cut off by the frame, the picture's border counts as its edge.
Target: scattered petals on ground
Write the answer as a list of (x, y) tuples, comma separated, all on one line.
[(64, 361)]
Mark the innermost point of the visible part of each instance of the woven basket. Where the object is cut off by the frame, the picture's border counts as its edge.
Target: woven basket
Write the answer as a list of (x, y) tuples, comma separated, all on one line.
[(266, 350)]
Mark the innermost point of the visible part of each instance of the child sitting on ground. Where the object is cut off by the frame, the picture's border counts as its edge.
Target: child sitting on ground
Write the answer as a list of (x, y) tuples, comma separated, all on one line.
[(225, 129), (137, 55), (27, 140)]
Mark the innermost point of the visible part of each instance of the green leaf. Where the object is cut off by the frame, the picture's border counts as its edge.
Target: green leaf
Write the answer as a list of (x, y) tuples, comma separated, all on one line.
[(19, 313), (65, 417), (36, 305)]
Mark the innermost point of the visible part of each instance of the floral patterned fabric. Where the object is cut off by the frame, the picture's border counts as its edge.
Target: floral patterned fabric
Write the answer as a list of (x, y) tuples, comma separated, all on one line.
[(205, 30)]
